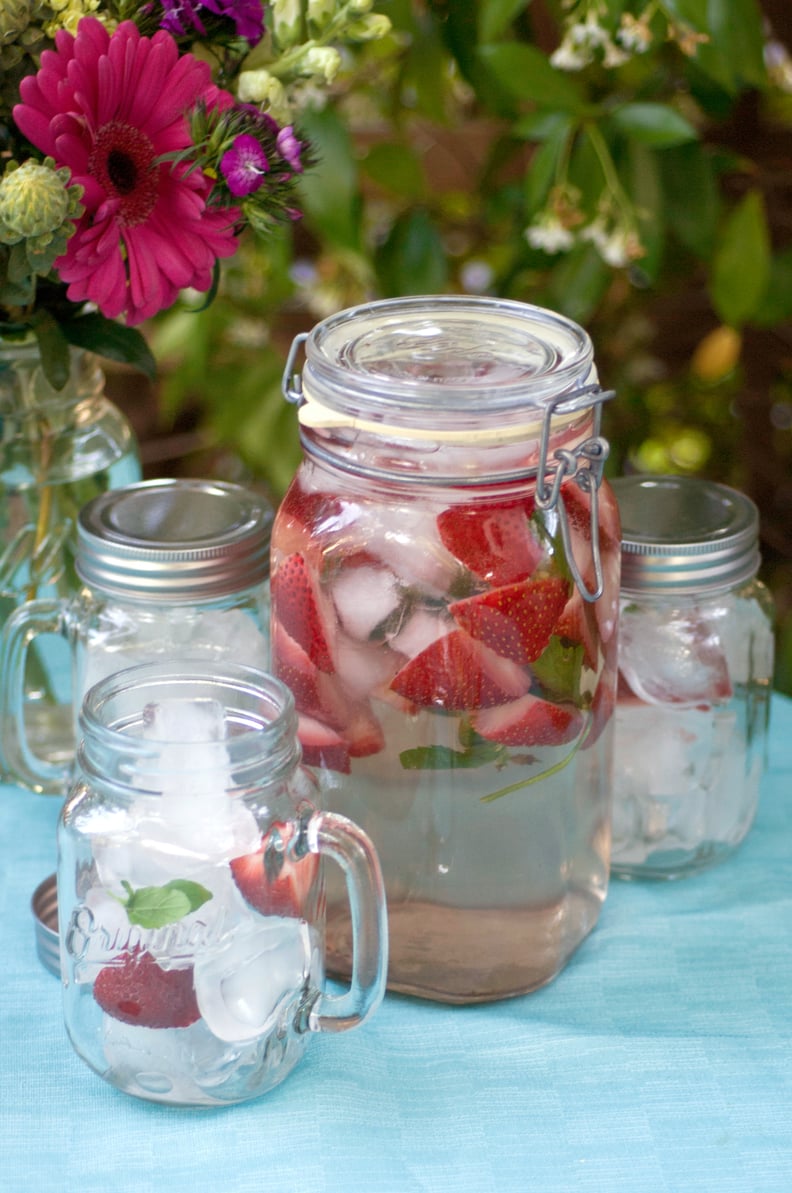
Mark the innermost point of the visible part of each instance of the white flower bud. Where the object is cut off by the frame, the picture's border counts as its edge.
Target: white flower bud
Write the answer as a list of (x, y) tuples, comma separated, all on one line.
[(322, 61), (318, 14), (286, 22), (369, 28), (261, 87)]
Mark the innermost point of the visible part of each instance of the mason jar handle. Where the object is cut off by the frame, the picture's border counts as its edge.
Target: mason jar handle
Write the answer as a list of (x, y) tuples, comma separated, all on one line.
[(333, 836), (24, 625)]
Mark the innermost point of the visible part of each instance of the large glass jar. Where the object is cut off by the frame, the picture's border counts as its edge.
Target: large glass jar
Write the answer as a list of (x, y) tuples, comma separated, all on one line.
[(445, 575), (695, 673), (58, 449)]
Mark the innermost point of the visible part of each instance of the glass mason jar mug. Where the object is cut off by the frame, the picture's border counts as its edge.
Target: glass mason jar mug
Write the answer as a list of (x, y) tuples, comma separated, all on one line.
[(166, 567), (695, 673), (445, 574), (190, 889)]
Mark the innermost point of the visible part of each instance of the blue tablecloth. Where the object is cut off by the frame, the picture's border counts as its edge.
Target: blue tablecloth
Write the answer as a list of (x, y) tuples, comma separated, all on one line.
[(659, 1060)]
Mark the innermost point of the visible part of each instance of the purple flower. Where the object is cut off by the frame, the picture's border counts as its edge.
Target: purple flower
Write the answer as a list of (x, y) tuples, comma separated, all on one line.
[(289, 148), (181, 17), (244, 165)]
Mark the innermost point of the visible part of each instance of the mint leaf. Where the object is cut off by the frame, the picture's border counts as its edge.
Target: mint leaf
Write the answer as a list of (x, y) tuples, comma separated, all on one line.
[(443, 758), (559, 668), (156, 906)]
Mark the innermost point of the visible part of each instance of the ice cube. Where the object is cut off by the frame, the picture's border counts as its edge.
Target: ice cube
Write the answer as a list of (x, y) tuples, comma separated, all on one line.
[(671, 657), (747, 637), (367, 667), (364, 598), (420, 630), (409, 544), (174, 1064), (246, 986)]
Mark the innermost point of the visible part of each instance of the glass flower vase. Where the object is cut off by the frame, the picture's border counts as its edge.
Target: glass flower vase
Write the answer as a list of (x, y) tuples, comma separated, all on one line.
[(58, 449)]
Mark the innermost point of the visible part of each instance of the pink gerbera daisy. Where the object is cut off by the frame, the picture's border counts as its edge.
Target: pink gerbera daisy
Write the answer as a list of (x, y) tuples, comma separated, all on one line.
[(108, 107)]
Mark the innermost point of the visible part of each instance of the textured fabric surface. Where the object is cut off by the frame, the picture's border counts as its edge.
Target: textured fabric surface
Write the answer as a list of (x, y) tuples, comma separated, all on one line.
[(659, 1060)]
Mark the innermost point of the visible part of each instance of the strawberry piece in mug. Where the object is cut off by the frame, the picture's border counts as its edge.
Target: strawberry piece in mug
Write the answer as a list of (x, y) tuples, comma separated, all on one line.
[(456, 673), (517, 620), (322, 746), (135, 989), (530, 721), (270, 879), (297, 605), (494, 541)]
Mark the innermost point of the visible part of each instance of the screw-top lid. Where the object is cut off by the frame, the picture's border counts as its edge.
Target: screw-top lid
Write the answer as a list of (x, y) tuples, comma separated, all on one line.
[(174, 540), (683, 533)]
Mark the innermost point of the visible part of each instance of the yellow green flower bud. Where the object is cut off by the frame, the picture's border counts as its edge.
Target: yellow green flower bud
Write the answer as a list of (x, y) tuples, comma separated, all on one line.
[(262, 87), (286, 23), (33, 201), (318, 14), (321, 62), (369, 28)]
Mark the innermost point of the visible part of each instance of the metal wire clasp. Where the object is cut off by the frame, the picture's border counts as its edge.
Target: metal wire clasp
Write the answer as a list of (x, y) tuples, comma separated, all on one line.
[(584, 465), (291, 382)]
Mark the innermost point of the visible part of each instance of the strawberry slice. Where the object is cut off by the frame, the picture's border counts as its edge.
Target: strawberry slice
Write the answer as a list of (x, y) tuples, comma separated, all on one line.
[(292, 666), (135, 989), (578, 509), (493, 540), (302, 516), (517, 620), (322, 746), (296, 606), (578, 624), (530, 721), (271, 880), (455, 673)]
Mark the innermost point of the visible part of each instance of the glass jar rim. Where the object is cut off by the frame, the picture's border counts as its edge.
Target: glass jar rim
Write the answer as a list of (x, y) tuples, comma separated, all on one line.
[(426, 361), (264, 744)]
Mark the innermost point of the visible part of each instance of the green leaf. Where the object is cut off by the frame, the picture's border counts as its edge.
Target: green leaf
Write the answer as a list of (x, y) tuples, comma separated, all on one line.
[(776, 306), (578, 283), (559, 669), (495, 16), (156, 906), (736, 46), (691, 197), (54, 349), (113, 340), (741, 268), (656, 125), (542, 171), (330, 192), (412, 259), (397, 168), (527, 74), (443, 758)]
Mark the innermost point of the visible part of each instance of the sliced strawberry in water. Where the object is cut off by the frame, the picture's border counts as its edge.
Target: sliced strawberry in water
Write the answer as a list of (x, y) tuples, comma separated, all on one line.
[(362, 732), (517, 620), (578, 624), (493, 540), (602, 708), (455, 673), (322, 745), (302, 517), (296, 605), (135, 989), (530, 721), (578, 509), (272, 880), (292, 666)]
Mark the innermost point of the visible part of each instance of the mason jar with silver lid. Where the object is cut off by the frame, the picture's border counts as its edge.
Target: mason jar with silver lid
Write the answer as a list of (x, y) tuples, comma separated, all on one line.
[(695, 671), (169, 569)]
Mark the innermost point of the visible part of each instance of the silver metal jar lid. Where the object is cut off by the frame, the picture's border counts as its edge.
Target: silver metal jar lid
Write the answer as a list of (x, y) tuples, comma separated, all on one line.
[(174, 540), (682, 533)]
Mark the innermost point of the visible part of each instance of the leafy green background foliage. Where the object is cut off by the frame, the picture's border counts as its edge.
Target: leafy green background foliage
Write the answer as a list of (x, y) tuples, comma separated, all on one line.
[(452, 155)]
